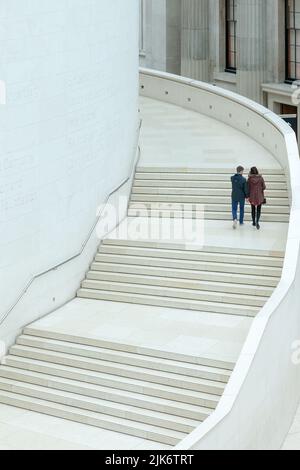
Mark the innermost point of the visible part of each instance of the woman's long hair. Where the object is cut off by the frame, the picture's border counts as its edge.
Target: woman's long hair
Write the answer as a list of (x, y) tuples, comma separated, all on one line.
[(254, 171)]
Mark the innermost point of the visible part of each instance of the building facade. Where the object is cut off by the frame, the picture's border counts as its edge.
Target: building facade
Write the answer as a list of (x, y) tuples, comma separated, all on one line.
[(251, 47)]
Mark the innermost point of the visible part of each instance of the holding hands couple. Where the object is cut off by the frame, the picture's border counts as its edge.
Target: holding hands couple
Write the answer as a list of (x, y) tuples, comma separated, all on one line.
[(251, 190)]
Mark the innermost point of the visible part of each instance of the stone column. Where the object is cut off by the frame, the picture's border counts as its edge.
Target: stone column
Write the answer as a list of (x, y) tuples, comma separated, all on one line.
[(195, 39), (252, 46), (163, 35)]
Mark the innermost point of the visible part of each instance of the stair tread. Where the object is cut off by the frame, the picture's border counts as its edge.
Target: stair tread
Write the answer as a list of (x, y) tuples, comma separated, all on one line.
[(199, 209), (64, 395), (128, 347), (200, 176), (177, 274), (184, 283), (168, 290), (122, 423), (184, 169), (159, 203), (174, 302), (129, 355), (90, 361), (193, 254), (100, 388), (183, 247), (193, 186), (124, 258), (92, 376)]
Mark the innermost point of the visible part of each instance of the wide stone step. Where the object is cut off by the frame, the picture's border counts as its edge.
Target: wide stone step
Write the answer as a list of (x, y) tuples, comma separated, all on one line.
[(212, 187), (189, 294), (181, 283), (98, 365), (198, 176), (192, 255), (145, 431), (111, 381), (187, 203), (168, 302), (98, 405), (227, 171), (233, 268), (192, 196), (200, 214), (178, 274), (180, 246), (159, 405), (211, 376), (162, 354)]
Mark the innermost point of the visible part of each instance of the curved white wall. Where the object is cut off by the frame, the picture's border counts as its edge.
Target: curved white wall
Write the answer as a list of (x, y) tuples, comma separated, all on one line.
[(68, 135), (259, 403)]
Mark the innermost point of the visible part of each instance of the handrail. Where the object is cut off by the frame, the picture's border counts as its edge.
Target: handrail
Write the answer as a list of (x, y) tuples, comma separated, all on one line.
[(84, 244)]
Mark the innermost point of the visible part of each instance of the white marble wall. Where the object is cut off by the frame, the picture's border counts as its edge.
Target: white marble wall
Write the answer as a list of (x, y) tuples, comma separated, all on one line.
[(67, 131)]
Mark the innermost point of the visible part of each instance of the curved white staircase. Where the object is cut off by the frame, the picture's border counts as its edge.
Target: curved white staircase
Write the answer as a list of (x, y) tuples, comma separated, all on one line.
[(151, 394)]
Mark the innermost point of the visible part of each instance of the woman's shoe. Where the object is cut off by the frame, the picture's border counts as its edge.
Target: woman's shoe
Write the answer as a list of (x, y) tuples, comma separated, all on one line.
[(258, 226)]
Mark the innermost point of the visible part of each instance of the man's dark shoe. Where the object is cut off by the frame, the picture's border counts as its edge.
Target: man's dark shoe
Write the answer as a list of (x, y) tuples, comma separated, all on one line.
[(258, 226)]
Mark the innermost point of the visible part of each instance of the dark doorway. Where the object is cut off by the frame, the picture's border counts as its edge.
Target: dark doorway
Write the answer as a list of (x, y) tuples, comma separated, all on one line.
[(290, 115)]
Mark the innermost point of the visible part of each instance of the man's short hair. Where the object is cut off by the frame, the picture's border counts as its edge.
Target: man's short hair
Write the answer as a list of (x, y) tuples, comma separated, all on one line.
[(240, 169)]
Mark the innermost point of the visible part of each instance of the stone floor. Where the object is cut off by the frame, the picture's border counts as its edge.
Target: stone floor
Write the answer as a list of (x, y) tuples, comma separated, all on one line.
[(213, 336), (271, 237), (173, 136), (25, 430)]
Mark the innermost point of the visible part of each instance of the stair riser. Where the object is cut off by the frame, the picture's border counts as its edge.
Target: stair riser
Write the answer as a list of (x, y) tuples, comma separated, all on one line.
[(148, 243), (104, 268), (181, 284), (200, 296), (80, 402), (215, 389), (165, 302), (147, 404), (191, 256), (83, 376), (51, 410), (180, 264), (199, 214), (178, 203), (108, 369), (211, 195), (224, 366), (199, 188), (208, 201), (210, 171), (200, 177)]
